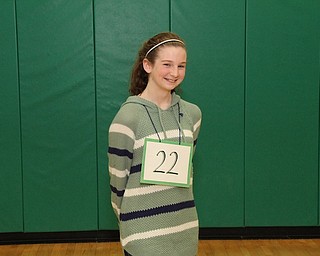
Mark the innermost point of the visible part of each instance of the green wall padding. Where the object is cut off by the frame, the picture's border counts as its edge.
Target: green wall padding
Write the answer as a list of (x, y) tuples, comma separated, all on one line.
[(214, 32), (253, 68), (58, 115), (282, 110), (120, 29), (10, 150)]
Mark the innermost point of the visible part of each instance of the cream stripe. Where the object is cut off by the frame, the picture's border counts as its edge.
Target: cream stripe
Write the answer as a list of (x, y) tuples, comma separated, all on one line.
[(118, 173), (119, 128), (197, 125), (145, 190), (188, 133), (140, 143), (175, 133), (115, 207), (159, 232), (170, 134)]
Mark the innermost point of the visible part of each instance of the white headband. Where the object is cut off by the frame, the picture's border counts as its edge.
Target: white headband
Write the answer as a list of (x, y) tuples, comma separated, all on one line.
[(163, 42)]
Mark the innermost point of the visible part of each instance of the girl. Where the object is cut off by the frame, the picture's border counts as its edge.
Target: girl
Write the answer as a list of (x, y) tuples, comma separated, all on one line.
[(157, 215)]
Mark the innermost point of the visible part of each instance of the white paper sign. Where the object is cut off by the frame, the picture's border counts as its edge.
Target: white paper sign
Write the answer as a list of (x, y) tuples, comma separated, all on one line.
[(166, 163)]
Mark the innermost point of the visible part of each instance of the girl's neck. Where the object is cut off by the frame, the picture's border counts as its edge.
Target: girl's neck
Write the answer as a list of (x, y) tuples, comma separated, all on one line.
[(161, 99)]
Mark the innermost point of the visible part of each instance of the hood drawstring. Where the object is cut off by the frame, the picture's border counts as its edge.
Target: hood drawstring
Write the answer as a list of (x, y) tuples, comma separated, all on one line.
[(179, 124)]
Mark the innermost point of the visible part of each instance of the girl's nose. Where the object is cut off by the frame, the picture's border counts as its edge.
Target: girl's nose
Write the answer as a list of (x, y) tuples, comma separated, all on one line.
[(174, 71)]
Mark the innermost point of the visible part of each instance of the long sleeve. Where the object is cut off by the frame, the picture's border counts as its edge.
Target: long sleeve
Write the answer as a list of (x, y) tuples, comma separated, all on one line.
[(120, 154), (196, 129)]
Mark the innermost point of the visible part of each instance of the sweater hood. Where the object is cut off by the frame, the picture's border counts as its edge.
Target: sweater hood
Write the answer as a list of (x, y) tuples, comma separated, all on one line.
[(152, 108), (149, 104)]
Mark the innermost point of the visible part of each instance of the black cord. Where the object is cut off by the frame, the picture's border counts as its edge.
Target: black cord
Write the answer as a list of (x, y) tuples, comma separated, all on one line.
[(179, 116), (152, 123)]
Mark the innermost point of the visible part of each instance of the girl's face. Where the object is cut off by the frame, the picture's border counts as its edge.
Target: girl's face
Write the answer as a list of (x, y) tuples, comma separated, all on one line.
[(169, 68)]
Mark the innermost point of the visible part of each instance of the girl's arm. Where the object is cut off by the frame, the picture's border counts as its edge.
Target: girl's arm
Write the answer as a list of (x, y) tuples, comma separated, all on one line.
[(120, 154)]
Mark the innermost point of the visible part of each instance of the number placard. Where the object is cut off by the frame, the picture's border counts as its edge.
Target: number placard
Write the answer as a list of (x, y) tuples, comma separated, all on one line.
[(166, 163)]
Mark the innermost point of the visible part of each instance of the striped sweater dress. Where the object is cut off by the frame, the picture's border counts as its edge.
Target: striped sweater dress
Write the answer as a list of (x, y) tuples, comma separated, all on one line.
[(153, 219)]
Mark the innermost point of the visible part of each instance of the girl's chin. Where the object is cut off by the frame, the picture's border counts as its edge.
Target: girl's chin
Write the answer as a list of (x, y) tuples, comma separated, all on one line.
[(171, 86)]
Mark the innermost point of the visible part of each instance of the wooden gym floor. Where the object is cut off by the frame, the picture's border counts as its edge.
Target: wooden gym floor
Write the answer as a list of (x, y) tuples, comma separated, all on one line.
[(281, 247)]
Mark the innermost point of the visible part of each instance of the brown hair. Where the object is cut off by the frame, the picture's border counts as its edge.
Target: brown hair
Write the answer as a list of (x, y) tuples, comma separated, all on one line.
[(139, 77)]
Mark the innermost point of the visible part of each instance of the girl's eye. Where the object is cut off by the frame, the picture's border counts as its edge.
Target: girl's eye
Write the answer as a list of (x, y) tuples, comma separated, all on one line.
[(166, 64), (182, 66)]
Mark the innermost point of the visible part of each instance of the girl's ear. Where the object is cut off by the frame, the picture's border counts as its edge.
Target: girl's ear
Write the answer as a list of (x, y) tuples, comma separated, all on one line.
[(147, 66)]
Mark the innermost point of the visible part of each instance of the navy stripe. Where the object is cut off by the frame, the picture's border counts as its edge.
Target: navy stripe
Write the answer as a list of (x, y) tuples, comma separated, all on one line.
[(136, 168), (126, 253), (120, 152), (195, 142), (155, 211), (119, 193)]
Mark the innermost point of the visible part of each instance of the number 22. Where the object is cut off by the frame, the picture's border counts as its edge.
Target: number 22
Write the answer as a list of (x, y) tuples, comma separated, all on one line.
[(164, 159)]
